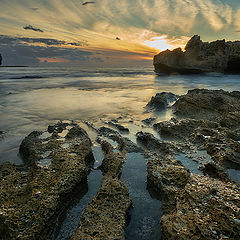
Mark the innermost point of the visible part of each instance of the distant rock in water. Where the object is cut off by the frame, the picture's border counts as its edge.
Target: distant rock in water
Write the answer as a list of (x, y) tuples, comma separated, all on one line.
[(198, 57)]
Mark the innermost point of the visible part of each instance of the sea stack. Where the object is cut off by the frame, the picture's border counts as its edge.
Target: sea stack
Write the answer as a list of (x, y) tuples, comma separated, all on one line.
[(198, 57)]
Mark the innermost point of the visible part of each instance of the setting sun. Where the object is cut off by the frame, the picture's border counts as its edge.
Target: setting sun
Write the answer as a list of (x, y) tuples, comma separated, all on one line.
[(159, 43)]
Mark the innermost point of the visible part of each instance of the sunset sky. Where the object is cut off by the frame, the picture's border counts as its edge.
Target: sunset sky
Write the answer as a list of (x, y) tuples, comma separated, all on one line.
[(65, 32)]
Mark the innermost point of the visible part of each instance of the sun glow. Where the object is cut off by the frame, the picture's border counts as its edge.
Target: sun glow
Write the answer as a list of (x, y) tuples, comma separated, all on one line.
[(159, 43)]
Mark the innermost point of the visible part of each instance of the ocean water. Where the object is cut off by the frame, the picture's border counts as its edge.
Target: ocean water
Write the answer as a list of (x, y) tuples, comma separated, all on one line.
[(31, 98)]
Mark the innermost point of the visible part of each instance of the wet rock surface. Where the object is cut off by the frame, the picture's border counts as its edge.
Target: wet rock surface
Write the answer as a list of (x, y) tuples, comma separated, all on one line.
[(167, 176), (161, 101), (119, 127), (113, 161), (175, 128), (149, 121), (199, 57), (123, 142), (207, 104), (33, 195), (149, 142), (106, 215), (205, 208), (195, 206), (198, 206)]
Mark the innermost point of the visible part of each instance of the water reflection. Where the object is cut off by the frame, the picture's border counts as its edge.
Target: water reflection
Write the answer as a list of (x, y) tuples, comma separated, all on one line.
[(86, 94)]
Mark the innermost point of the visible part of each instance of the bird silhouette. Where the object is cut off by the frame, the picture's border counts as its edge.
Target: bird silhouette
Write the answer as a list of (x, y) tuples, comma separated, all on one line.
[(85, 3)]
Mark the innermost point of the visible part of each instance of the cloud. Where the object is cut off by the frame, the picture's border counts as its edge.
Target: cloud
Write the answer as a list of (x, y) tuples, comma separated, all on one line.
[(69, 24), (217, 15), (17, 51), (47, 41), (30, 27), (236, 20)]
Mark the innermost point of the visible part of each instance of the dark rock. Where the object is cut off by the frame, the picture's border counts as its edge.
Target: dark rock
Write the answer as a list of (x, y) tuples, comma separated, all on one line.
[(207, 104), (161, 101), (58, 127), (119, 127), (148, 141), (77, 132), (230, 120), (106, 215), (130, 146), (104, 131), (106, 146), (174, 128), (112, 163), (197, 206), (149, 121), (123, 142), (215, 171), (167, 176), (217, 56)]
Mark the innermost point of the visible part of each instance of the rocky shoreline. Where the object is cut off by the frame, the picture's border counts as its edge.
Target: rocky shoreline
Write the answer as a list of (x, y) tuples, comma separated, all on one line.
[(196, 205), (200, 57)]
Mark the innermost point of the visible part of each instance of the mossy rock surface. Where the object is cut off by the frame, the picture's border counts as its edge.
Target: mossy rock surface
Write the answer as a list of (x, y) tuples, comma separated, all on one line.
[(32, 195)]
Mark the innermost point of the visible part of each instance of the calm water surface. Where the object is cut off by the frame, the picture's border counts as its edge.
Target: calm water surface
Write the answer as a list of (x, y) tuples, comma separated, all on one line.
[(31, 98)]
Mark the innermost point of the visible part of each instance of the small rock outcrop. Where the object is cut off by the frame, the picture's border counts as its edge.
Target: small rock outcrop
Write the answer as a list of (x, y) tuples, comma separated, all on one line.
[(199, 57), (207, 104), (161, 101)]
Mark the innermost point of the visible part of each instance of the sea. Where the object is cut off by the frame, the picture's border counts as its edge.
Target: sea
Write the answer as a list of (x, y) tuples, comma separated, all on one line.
[(31, 98)]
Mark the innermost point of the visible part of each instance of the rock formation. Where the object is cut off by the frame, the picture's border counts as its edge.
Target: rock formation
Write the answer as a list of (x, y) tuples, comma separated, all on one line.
[(199, 57), (161, 101), (197, 206), (33, 195), (106, 215)]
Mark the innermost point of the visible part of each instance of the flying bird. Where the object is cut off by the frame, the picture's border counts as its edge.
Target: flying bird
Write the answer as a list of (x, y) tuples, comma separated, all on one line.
[(30, 27), (85, 3)]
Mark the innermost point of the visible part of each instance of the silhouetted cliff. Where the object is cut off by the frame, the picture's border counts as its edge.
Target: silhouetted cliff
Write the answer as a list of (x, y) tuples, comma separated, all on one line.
[(198, 57)]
